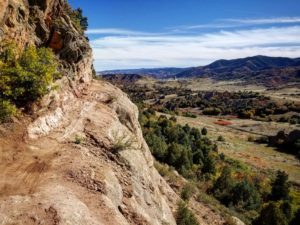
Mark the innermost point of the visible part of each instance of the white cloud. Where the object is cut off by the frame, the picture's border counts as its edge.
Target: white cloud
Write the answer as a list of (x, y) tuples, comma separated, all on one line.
[(119, 52), (230, 23), (277, 20), (115, 31)]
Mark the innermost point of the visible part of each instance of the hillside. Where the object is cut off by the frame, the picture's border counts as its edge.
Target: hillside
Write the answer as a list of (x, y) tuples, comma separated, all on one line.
[(124, 79), (264, 70), (159, 73)]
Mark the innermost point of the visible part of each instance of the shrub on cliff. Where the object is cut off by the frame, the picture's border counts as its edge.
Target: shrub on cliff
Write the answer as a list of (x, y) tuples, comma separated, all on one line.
[(187, 192), (184, 216), (24, 76), (76, 15), (6, 110)]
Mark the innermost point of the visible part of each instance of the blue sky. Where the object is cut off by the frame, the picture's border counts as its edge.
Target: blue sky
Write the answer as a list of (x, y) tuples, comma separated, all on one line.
[(181, 33)]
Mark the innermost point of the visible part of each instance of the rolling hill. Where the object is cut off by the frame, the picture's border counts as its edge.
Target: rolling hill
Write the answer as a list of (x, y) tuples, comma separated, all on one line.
[(159, 73), (265, 70)]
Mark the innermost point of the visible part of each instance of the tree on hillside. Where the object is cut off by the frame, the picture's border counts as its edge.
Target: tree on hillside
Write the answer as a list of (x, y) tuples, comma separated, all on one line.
[(204, 131), (245, 195), (280, 187), (223, 186), (271, 214), (296, 219)]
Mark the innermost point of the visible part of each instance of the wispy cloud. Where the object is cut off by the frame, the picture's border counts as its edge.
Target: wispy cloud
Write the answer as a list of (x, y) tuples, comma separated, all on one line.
[(278, 20), (231, 23), (115, 31), (119, 52)]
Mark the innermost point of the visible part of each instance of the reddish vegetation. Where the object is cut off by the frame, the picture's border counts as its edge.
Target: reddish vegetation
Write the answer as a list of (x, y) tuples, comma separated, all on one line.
[(223, 122)]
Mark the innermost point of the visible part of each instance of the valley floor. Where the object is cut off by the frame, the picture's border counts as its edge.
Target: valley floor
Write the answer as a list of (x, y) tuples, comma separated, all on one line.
[(237, 146)]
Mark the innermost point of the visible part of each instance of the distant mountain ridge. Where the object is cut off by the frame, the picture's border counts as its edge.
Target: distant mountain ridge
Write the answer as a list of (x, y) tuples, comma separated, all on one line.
[(123, 79), (159, 73), (264, 70)]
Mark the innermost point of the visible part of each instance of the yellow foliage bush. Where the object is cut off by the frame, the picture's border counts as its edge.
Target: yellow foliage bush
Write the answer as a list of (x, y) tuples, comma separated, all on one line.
[(25, 76)]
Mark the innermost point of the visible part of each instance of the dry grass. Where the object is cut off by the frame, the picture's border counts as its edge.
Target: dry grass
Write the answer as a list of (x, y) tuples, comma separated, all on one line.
[(238, 147)]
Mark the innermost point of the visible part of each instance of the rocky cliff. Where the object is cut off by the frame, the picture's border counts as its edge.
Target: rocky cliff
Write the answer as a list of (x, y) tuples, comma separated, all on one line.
[(80, 158)]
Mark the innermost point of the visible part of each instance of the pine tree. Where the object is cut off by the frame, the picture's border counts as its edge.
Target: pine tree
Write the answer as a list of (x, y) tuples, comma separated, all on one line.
[(280, 187)]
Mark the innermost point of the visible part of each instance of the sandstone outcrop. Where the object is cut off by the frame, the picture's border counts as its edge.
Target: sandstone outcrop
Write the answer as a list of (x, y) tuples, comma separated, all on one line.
[(87, 182), (81, 157), (48, 179)]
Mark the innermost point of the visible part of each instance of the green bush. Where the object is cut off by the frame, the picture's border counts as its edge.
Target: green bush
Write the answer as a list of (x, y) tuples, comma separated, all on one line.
[(271, 214), (122, 142), (204, 131), (158, 146), (187, 191), (78, 140), (179, 146), (189, 114), (76, 15), (184, 216), (212, 111), (280, 187), (243, 195), (296, 218), (221, 138), (7, 109), (24, 76)]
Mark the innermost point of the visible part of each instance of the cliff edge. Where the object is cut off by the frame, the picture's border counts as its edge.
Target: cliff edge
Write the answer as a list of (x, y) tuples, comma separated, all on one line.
[(80, 158)]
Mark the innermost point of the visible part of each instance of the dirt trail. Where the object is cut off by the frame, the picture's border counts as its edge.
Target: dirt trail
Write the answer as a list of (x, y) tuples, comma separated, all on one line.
[(21, 174), (25, 164)]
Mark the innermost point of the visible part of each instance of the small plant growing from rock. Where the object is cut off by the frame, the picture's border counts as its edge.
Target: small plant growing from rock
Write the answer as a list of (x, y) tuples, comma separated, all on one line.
[(78, 140), (122, 142)]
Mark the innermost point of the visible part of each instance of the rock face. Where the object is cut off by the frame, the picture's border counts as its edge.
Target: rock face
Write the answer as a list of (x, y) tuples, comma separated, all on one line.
[(46, 23), (83, 159), (99, 180)]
